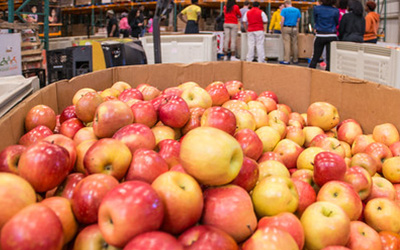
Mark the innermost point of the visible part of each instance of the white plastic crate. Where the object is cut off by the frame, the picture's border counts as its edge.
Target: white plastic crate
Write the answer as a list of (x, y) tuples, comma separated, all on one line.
[(183, 48), (375, 63), (273, 46)]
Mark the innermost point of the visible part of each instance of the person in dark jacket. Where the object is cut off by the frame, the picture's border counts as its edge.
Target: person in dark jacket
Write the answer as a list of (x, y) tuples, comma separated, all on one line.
[(352, 25), (326, 19), (136, 24)]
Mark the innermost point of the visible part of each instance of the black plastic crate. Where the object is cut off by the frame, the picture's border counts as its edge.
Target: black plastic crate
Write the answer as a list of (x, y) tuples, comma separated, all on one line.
[(80, 60)]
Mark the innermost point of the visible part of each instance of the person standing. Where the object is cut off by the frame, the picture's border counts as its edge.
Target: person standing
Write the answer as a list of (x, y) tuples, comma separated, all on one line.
[(254, 21), (275, 24), (136, 24), (352, 25), (142, 20), (124, 27), (231, 13), (192, 13), (342, 6), (326, 19), (112, 25), (371, 23), (290, 18), (243, 11)]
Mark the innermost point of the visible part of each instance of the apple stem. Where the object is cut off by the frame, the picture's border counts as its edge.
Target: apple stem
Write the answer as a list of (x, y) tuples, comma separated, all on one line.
[(251, 231), (337, 146)]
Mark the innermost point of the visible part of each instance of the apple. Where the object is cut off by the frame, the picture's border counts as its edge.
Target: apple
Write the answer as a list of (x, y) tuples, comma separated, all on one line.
[(178, 168), (182, 198), (336, 248), (307, 156), (270, 156), (88, 194), (80, 93), (289, 151), (270, 238), (90, 238), (325, 224), (44, 165), (67, 188), (347, 149), (269, 137), (390, 169), (272, 168), (296, 119), (248, 175), (332, 145), (163, 133), (220, 118), (15, 194), (386, 133), (34, 227), (108, 156), (343, 195), (269, 103), (81, 150), (67, 113), (307, 195), (260, 116), (365, 161), (40, 115), (233, 87), (172, 91), (382, 214), (278, 115), (251, 144), (211, 156), (129, 94), (70, 127), (305, 175), (66, 143), (197, 97), (221, 204), (270, 94), (121, 86), (311, 132), (110, 94), (149, 92), (188, 85), (86, 107), (136, 136), (218, 92), (174, 112), (207, 238), (328, 166), (274, 195), (395, 148), (363, 237), (155, 240), (169, 150), (144, 113), (323, 115), (84, 134), (245, 95), (130, 203), (360, 180), (146, 166), (381, 188), (62, 208), (360, 143), (348, 131), (286, 222), (389, 240), (380, 152), (9, 158), (235, 104), (35, 135), (295, 134)]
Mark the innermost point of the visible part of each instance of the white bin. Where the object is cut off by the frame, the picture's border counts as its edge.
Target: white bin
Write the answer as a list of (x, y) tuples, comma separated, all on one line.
[(183, 48), (371, 62), (273, 46)]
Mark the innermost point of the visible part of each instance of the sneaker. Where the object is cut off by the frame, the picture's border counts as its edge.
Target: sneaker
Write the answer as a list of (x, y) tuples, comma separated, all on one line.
[(295, 63), (233, 58), (284, 62), (226, 58)]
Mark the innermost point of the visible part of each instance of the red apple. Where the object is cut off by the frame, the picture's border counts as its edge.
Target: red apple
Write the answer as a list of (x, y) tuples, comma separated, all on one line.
[(108, 156), (395, 148), (84, 134), (35, 135), (386, 133), (40, 115), (178, 168), (34, 227), (149, 92), (174, 112), (136, 136), (88, 194), (278, 115), (295, 134), (389, 240), (44, 165), (380, 152), (81, 150), (70, 127), (251, 144), (270, 94), (245, 95), (284, 107), (219, 117), (146, 166), (155, 240), (66, 143), (207, 238), (360, 143), (328, 167), (9, 158), (144, 113), (365, 161), (233, 87), (194, 120), (307, 195), (121, 86), (130, 203), (348, 131), (289, 152), (218, 92), (86, 106), (80, 93), (90, 238), (269, 103), (381, 188), (110, 116), (248, 175), (360, 180), (67, 188), (221, 204), (67, 113), (270, 238), (270, 156), (169, 150), (172, 91), (129, 94), (363, 237)]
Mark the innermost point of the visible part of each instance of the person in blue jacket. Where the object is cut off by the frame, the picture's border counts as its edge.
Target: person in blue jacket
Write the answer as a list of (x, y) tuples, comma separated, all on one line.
[(326, 20)]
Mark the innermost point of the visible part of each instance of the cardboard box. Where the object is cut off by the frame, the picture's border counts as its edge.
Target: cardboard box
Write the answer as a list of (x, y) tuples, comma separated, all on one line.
[(83, 2), (367, 102), (305, 43)]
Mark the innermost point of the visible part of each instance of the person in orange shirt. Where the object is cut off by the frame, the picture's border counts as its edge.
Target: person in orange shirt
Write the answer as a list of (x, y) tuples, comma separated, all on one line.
[(371, 23)]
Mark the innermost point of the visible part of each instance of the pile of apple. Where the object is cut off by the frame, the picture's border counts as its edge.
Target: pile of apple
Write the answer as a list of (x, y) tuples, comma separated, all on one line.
[(192, 168)]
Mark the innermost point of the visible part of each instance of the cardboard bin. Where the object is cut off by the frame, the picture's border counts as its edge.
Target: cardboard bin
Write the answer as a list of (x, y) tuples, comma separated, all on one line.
[(368, 103)]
